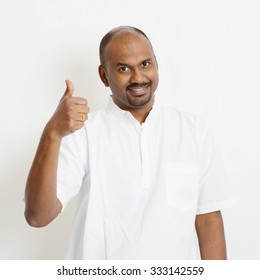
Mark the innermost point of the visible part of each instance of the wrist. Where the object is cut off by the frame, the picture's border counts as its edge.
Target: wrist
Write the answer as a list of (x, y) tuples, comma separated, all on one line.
[(50, 133)]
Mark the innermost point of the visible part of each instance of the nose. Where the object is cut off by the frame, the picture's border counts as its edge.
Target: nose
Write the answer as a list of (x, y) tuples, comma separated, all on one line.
[(137, 76)]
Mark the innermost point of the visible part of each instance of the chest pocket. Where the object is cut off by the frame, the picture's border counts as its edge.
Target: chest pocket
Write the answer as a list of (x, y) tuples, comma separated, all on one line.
[(182, 185)]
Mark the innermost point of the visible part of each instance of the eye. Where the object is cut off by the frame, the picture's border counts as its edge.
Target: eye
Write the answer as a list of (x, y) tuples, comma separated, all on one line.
[(146, 63), (124, 69)]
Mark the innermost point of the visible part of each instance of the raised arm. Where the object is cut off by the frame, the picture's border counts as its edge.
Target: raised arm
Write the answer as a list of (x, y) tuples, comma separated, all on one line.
[(41, 202), (210, 231)]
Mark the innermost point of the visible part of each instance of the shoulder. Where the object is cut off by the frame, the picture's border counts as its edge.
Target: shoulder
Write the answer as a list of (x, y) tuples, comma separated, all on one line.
[(186, 120), (96, 120), (75, 140)]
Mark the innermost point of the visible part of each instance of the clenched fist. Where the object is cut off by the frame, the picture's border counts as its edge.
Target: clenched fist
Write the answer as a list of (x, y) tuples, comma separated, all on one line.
[(70, 114)]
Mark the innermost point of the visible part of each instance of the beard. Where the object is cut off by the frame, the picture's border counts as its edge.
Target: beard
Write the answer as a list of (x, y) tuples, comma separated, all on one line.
[(139, 99)]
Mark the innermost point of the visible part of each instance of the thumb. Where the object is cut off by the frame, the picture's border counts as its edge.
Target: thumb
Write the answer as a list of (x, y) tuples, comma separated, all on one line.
[(69, 90)]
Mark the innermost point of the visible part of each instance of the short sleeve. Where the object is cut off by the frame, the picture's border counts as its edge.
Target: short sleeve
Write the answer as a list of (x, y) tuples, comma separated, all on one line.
[(216, 190), (72, 166)]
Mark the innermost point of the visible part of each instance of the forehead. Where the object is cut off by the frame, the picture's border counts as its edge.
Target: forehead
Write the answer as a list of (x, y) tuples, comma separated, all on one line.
[(128, 47)]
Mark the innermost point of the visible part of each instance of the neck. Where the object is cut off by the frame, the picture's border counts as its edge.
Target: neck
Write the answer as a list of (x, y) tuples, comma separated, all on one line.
[(140, 114)]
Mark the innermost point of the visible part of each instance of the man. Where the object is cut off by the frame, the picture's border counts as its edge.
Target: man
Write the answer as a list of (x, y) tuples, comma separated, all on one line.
[(148, 178)]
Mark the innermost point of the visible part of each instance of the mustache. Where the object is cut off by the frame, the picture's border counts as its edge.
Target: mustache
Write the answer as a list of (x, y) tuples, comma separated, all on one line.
[(134, 85)]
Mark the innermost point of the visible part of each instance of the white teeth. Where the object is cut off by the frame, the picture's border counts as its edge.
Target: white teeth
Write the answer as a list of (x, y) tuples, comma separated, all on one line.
[(138, 89)]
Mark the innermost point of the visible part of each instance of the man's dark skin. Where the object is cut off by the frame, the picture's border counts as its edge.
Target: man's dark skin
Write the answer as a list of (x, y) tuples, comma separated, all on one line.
[(131, 71)]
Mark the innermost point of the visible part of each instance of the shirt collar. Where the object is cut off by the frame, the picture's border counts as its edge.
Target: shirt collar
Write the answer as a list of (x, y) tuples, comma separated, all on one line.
[(124, 115)]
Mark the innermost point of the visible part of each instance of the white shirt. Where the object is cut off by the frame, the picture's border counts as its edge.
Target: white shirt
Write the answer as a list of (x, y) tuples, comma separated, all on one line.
[(140, 186)]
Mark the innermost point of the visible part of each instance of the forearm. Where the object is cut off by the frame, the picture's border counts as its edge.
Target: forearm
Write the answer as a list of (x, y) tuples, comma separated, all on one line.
[(210, 231), (41, 203)]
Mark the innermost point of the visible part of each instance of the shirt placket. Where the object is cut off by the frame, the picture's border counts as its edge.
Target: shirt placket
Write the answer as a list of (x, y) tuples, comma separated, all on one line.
[(144, 157)]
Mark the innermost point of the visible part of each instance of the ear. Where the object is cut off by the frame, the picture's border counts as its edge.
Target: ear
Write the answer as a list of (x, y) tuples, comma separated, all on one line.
[(103, 75)]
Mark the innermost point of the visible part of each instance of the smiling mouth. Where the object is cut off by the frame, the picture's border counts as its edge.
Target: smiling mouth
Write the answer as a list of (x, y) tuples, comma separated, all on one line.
[(138, 89)]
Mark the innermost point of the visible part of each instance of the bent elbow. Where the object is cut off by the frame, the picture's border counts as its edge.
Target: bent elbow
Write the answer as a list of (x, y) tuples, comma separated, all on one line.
[(41, 217), (35, 221)]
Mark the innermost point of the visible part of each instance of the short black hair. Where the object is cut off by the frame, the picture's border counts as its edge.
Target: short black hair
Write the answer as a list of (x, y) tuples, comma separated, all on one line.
[(107, 38)]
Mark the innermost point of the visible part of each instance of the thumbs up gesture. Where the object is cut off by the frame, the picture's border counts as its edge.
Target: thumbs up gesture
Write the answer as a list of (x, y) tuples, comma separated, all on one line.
[(70, 114)]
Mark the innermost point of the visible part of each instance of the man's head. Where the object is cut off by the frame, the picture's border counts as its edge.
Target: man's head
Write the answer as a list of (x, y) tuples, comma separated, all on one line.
[(128, 67)]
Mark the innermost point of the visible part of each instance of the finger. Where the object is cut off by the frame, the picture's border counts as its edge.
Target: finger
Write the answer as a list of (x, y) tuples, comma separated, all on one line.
[(82, 117), (69, 90), (83, 109), (79, 101)]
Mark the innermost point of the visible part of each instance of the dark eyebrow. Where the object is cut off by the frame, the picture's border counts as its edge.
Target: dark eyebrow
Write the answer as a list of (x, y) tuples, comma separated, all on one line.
[(148, 59), (125, 64), (121, 64)]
